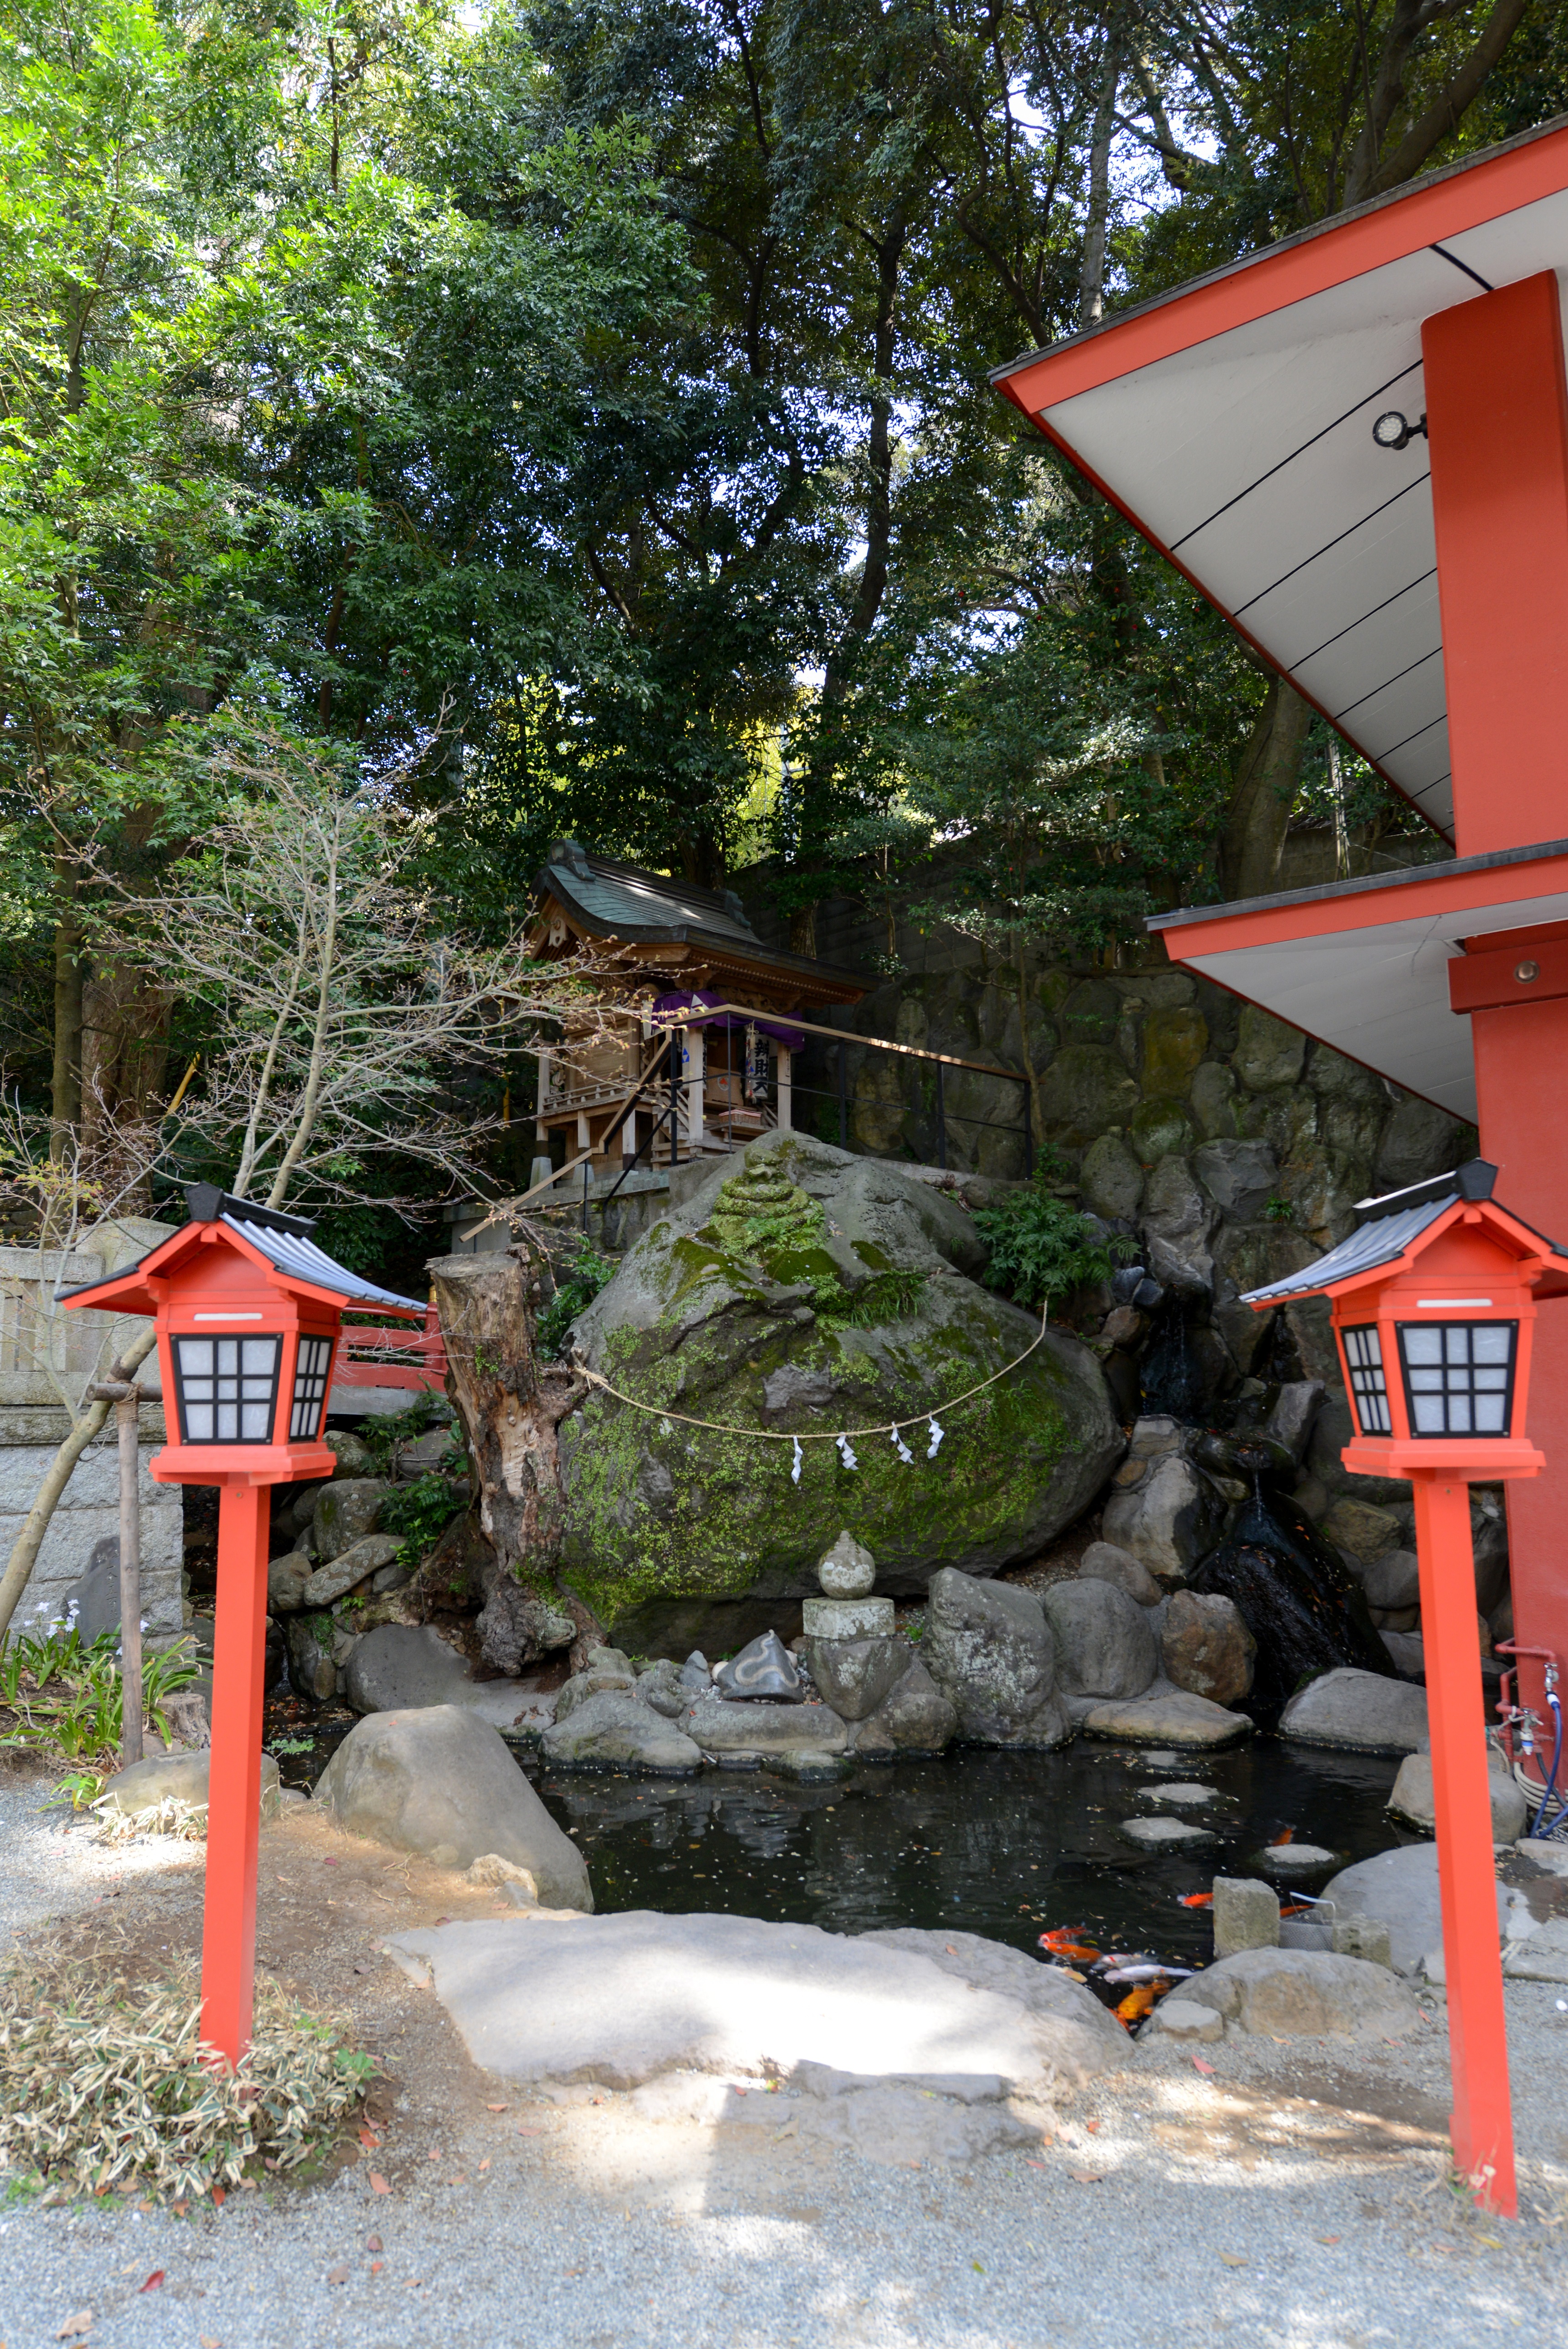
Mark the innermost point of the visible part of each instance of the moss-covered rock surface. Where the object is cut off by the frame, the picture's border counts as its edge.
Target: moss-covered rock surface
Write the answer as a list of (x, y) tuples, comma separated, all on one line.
[(804, 1290)]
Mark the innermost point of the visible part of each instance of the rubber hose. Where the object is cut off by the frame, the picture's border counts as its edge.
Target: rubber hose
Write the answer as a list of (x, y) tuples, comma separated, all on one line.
[(1554, 1701)]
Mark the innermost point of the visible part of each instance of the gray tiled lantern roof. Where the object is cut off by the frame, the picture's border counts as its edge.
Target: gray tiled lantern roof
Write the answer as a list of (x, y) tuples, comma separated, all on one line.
[(1387, 1226), (284, 1240)]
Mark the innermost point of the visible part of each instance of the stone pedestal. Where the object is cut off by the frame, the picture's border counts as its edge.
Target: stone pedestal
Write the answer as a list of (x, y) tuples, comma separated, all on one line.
[(847, 1618)]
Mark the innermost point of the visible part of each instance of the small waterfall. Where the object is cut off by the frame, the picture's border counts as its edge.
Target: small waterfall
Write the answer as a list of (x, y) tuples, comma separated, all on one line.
[(1171, 1375), (1301, 1606)]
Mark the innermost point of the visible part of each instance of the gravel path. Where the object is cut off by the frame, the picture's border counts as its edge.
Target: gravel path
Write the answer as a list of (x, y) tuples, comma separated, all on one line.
[(1175, 2206)]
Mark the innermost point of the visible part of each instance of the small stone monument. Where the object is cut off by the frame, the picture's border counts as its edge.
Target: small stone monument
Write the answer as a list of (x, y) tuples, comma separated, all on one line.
[(1246, 1915), (846, 1573)]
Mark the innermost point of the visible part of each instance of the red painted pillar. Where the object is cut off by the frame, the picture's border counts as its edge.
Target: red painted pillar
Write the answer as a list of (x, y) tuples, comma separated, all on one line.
[(234, 1794), (1482, 2122), (1497, 418)]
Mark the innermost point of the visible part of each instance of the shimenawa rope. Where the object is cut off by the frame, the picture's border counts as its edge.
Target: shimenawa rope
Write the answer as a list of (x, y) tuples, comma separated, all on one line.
[(819, 1435)]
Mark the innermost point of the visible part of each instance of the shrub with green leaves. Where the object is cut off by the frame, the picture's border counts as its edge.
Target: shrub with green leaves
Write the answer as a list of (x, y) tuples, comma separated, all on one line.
[(422, 1510), (1042, 1248), (104, 2082), (575, 1290)]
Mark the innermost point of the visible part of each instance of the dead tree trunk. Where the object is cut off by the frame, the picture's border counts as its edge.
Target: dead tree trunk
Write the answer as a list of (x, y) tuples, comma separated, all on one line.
[(510, 1405)]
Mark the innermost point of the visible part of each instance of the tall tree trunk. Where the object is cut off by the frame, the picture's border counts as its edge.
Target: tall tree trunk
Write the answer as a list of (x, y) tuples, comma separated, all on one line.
[(1267, 776), (827, 748), (124, 1061), (65, 1080), (1091, 268), (510, 1405)]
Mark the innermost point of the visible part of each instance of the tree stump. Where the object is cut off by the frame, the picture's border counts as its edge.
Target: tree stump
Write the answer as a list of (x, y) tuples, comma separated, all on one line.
[(510, 1405)]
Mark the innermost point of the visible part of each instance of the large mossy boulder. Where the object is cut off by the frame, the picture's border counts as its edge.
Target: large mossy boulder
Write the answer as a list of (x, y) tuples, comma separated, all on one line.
[(808, 1291)]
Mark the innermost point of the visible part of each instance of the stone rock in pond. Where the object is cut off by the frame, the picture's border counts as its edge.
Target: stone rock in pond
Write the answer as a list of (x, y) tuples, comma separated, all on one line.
[(594, 1680), (869, 1277), (1304, 1994), (1104, 1645), (1103, 1562), (1186, 1795), (1165, 1836), (440, 1782), (663, 1687), (1393, 1581), (848, 1570), (310, 1640), (1412, 1800), (989, 1649), (1298, 1859), (345, 1511), (182, 1778), (914, 1717), (764, 1668), (1246, 1914), (1358, 1712), (853, 1676), (286, 1580), (1167, 1517), (1399, 1889), (402, 1667), (613, 1731), (1206, 1647), (1291, 1419), (1407, 1653), (1166, 1718), (354, 1565), (695, 1674), (725, 1729)]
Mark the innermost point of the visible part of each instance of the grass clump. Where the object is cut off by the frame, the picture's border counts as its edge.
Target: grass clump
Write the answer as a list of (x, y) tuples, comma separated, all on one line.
[(105, 2084), (65, 1699)]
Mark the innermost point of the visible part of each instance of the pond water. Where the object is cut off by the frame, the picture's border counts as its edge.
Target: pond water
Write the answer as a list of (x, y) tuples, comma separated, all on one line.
[(993, 1843), (990, 1842)]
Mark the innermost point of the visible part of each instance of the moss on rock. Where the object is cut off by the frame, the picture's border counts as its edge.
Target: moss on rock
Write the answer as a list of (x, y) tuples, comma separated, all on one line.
[(800, 1295)]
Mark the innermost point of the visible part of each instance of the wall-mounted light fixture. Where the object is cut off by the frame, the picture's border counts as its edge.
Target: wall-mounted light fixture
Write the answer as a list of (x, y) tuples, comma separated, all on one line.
[(1392, 430)]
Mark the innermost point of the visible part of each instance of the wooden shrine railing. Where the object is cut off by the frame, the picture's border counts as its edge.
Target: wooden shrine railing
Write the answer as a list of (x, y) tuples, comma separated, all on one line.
[(412, 1358)]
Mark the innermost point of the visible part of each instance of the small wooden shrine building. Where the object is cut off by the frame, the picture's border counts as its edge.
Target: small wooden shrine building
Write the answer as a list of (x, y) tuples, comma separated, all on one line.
[(683, 963)]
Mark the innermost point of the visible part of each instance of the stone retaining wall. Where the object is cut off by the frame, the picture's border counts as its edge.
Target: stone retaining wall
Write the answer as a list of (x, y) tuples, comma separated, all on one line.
[(85, 1528)]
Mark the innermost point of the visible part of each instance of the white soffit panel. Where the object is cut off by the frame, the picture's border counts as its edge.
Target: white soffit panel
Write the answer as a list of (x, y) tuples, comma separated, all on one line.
[(1378, 995), (1250, 458)]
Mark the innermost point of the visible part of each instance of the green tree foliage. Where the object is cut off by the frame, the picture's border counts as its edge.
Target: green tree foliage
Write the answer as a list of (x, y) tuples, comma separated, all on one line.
[(295, 322)]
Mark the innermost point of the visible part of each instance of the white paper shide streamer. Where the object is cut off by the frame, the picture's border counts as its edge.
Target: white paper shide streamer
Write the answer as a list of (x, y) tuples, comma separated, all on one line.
[(847, 1452), (937, 1432)]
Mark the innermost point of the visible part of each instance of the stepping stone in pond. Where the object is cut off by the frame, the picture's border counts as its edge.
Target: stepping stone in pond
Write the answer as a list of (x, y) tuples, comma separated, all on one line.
[(1165, 1834), (1296, 1858), (1184, 1795), (1157, 1761)]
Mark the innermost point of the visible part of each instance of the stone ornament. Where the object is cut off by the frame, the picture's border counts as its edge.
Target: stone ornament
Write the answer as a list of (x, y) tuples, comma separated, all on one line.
[(764, 1667), (848, 1570)]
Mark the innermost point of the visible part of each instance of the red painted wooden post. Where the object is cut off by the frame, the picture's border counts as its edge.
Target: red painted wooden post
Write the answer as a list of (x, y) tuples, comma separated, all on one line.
[(1482, 2120), (229, 1921)]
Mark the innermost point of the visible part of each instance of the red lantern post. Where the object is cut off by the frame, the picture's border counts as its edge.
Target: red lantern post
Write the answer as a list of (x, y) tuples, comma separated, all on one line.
[(249, 1312), (1434, 1301)]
